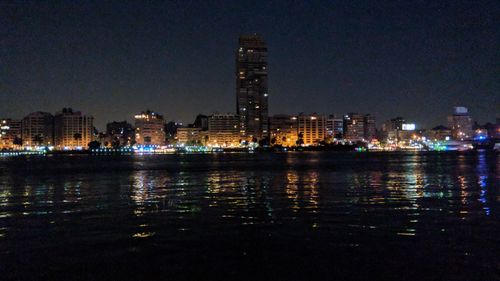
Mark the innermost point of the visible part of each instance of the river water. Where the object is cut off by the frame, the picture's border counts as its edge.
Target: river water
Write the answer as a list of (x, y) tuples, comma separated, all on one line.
[(261, 216)]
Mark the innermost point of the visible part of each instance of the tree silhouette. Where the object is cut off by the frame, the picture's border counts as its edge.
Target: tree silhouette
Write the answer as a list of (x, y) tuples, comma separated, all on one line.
[(17, 141), (94, 145)]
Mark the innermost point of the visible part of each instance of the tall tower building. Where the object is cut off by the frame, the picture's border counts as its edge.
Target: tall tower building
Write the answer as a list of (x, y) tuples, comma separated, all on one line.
[(251, 87)]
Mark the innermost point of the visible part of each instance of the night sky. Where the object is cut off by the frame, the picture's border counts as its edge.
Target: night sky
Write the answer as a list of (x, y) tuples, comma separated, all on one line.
[(415, 59)]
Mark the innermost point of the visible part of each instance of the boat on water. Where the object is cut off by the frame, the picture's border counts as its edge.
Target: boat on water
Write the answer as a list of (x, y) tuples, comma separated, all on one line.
[(458, 146), (484, 143)]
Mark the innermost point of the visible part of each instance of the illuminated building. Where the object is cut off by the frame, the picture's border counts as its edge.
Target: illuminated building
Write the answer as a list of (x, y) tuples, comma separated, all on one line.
[(10, 133), (354, 128), (119, 134), (189, 136), (72, 129), (283, 130), (223, 130), (149, 128), (38, 129), (251, 87), (460, 123), (370, 130), (311, 129)]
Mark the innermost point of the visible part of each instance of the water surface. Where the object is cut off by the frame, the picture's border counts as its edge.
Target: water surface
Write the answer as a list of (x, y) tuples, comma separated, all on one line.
[(295, 216)]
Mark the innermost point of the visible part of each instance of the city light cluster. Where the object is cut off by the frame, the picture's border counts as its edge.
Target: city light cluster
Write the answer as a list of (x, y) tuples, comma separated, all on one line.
[(250, 128)]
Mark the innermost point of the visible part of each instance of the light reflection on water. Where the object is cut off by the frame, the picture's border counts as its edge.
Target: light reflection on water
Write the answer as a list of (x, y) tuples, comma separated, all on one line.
[(293, 196)]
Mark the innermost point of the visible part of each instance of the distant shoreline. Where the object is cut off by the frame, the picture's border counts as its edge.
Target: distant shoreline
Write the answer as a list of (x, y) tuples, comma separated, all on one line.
[(242, 151)]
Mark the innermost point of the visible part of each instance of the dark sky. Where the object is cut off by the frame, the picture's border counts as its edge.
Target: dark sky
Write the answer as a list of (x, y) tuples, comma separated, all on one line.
[(416, 59)]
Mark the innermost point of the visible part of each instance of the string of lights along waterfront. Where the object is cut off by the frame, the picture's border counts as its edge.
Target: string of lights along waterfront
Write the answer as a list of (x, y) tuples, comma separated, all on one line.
[(249, 128)]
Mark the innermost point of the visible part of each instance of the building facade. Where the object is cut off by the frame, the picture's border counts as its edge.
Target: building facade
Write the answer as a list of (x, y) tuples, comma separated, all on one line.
[(391, 128), (224, 130), (370, 129), (251, 87), (189, 136), (311, 129), (38, 129), (354, 127), (72, 129), (438, 133), (10, 133), (149, 129), (334, 127), (283, 130), (461, 124)]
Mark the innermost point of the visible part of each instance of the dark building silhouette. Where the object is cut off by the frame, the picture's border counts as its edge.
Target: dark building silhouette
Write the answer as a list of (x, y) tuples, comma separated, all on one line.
[(120, 133), (251, 87), (370, 130), (201, 122)]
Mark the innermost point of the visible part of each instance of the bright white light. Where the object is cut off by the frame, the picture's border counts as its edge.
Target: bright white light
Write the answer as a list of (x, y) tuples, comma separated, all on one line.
[(408, 127)]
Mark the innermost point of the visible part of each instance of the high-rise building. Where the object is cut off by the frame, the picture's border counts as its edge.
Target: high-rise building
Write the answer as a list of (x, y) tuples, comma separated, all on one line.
[(38, 129), (72, 129), (10, 133), (311, 128), (251, 87), (149, 128), (283, 130), (224, 130), (354, 127), (461, 123), (370, 130)]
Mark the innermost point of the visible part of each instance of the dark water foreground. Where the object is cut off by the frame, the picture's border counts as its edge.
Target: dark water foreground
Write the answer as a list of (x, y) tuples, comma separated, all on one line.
[(289, 216)]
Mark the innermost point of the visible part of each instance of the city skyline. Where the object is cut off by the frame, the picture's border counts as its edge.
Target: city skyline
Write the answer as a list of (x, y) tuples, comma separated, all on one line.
[(361, 58)]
